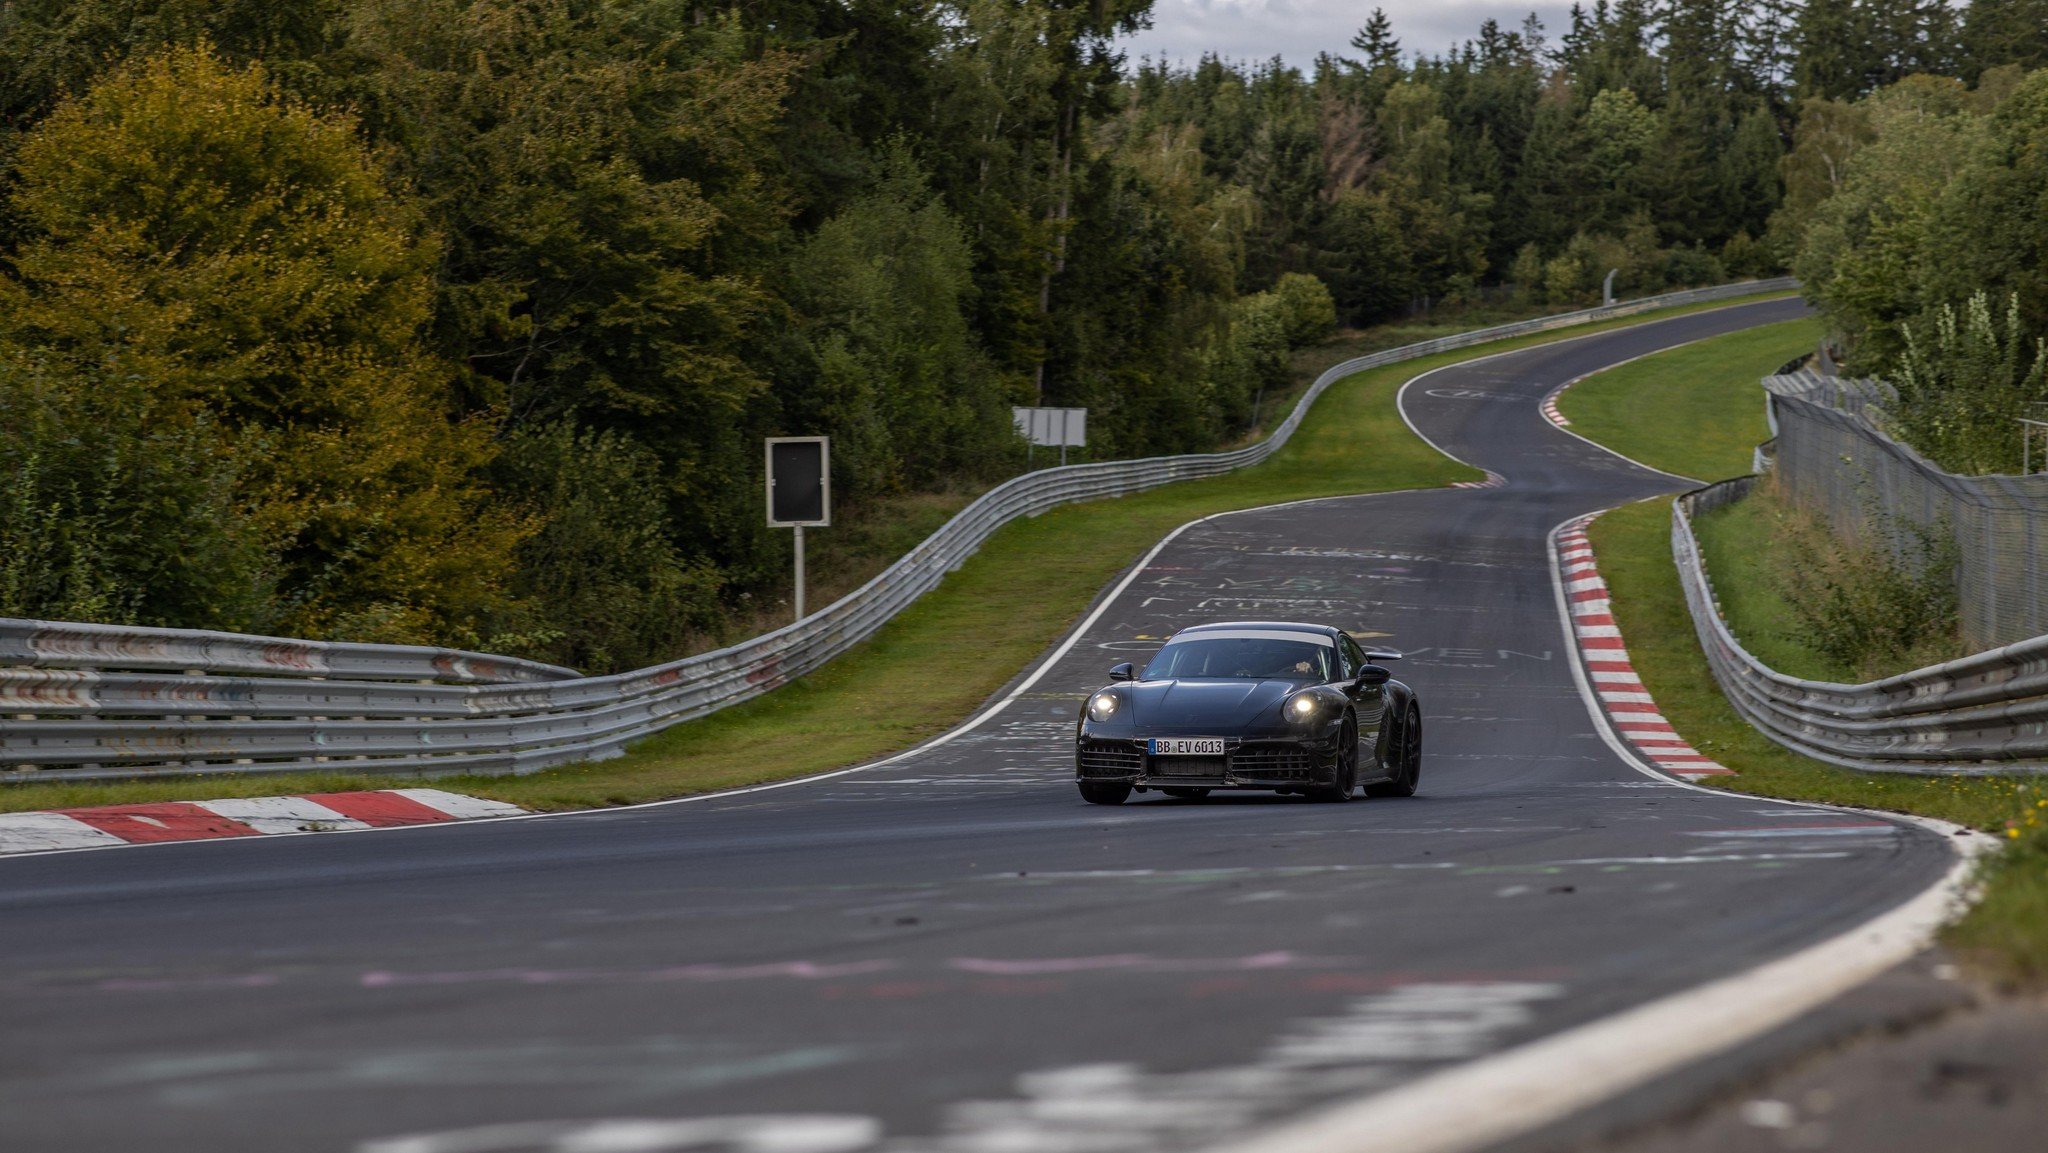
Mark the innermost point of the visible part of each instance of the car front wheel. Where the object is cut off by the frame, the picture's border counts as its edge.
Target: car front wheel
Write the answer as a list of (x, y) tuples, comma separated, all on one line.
[(1346, 780), (1405, 757)]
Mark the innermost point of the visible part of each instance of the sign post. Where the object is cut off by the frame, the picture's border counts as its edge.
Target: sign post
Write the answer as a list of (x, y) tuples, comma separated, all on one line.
[(1051, 426), (799, 492)]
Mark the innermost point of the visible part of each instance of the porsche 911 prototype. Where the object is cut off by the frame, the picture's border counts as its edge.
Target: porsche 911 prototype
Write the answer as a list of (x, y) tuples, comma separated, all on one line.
[(1286, 708)]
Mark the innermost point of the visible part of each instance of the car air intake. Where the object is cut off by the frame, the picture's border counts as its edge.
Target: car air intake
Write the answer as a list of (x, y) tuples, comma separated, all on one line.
[(1118, 759)]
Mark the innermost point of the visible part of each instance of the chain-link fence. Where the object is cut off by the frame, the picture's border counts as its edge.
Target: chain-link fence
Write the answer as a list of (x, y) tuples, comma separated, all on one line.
[(1832, 460)]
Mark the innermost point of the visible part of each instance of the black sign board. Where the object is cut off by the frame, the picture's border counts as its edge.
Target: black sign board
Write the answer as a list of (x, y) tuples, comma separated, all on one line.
[(799, 481)]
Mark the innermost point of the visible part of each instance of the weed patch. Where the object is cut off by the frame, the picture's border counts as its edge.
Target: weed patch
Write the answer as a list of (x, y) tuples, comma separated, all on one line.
[(1812, 605)]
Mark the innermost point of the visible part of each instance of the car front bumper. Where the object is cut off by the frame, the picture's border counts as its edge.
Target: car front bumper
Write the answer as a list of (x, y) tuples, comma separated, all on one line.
[(1245, 764)]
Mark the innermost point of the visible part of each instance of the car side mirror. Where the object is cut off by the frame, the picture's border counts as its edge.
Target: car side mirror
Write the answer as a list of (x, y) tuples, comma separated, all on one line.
[(1123, 672), (1373, 676)]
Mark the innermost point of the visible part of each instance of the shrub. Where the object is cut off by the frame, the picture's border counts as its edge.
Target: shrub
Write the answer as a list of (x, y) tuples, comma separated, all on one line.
[(604, 588), (1691, 268), (1526, 274), (1963, 386), (1862, 606), (1307, 311), (118, 508), (1249, 358)]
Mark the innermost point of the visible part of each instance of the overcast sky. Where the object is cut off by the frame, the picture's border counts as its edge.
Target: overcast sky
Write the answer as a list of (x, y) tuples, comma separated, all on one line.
[(1182, 30)]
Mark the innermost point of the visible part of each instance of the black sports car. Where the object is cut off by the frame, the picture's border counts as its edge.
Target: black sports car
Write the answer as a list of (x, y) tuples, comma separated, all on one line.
[(1289, 708)]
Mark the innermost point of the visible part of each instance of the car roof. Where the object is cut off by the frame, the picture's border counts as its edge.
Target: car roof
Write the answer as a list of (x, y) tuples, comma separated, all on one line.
[(1287, 626)]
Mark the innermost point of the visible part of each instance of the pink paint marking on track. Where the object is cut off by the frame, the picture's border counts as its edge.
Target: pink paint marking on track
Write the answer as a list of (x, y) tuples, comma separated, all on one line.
[(1612, 676)]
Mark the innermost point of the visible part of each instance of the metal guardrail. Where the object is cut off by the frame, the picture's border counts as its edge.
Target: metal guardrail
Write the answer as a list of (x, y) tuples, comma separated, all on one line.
[(60, 645), (1982, 714), (86, 702)]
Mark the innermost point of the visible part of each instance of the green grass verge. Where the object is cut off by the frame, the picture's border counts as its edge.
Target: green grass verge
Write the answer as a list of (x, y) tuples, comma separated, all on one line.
[(1693, 411), (930, 667), (1755, 548), (1737, 542), (2005, 934)]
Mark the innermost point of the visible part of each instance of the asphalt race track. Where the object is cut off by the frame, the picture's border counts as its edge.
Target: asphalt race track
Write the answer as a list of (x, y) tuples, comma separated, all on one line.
[(952, 953)]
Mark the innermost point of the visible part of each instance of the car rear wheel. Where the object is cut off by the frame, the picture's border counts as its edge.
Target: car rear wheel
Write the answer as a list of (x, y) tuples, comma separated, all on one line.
[(1346, 781), (1186, 794), (1406, 757), (1104, 794)]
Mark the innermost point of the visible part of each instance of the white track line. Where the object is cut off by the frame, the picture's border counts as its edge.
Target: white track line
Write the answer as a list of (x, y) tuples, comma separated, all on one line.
[(1491, 1099), (1557, 419), (976, 721), (1401, 403)]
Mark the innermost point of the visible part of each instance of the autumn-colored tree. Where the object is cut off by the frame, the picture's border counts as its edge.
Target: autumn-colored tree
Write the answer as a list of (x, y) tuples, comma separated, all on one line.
[(490, 356), (245, 257)]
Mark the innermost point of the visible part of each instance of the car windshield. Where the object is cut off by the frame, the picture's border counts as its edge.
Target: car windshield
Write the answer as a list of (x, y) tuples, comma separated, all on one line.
[(1274, 656)]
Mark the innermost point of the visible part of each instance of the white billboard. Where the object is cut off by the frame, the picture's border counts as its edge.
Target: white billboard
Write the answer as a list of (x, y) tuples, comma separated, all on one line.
[(1053, 427)]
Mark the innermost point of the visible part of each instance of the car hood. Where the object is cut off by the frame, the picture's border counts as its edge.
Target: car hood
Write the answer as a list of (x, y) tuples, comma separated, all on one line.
[(1208, 707)]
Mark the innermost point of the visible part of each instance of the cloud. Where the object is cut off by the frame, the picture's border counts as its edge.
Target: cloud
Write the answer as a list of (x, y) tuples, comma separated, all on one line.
[(1296, 30)]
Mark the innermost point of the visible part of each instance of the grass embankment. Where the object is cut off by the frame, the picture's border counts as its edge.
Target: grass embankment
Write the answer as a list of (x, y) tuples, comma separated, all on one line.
[(2007, 932), (1348, 344), (931, 666), (1693, 411), (1737, 543), (867, 538), (1769, 559)]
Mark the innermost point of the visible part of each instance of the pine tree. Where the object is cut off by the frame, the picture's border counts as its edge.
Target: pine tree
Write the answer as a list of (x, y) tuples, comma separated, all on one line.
[(1376, 42), (1765, 48), (1833, 54), (1622, 58), (1996, 32), (1907, 37), (1576, 47)]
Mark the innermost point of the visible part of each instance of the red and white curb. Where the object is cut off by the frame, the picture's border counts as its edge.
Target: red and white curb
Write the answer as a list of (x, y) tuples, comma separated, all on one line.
[(1550, 409), (1493, 480), (1622, 694), (110, 825)]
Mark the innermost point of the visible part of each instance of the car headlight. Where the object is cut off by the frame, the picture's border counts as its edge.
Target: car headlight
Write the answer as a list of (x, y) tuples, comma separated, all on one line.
[(1302, 706), (1102, 706)]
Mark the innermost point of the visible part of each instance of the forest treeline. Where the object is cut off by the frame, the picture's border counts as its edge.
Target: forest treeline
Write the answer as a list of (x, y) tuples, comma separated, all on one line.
[(462, 320), (1921, 213)]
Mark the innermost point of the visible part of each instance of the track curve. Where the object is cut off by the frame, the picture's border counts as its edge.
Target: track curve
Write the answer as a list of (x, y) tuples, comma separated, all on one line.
[(951, 952)]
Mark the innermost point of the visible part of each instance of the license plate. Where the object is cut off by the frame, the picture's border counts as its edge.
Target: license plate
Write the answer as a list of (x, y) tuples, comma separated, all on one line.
[(1187, 746)]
